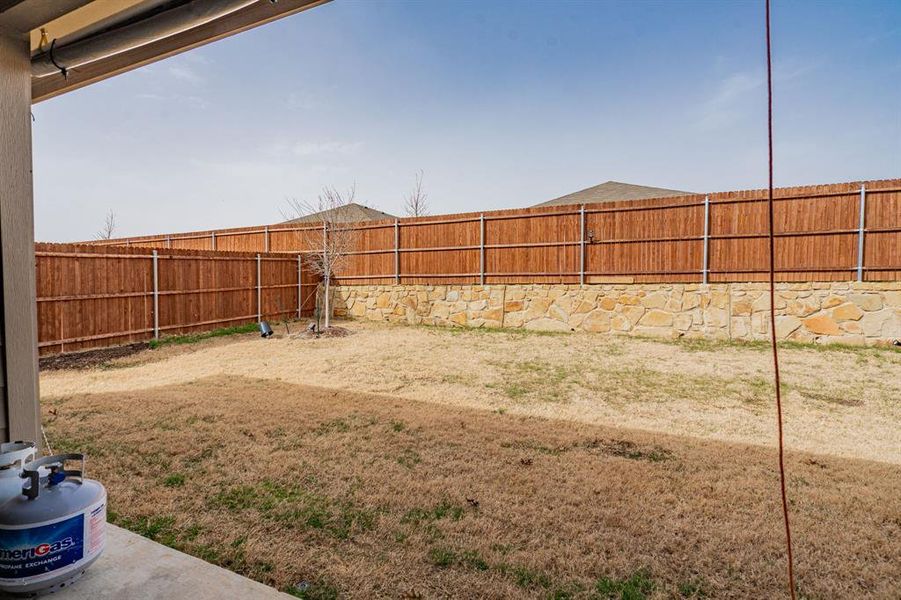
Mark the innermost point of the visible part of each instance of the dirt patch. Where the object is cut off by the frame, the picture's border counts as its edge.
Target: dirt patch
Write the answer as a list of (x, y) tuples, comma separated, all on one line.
[(330, 332), (89, 358), (374, 496), (841, 402)]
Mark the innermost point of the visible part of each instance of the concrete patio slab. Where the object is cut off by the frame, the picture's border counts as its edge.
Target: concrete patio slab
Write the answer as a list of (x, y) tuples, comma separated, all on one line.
[(135, 568)]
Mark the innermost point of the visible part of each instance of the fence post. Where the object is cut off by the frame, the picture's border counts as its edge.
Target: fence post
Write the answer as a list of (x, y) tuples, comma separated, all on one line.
[(861, 230), (582, 245), (156, 296), (706, 267), (168, 241), (482, 249), (396, 252), (259, 291), (299, 286), (213, 239), (266, 238)]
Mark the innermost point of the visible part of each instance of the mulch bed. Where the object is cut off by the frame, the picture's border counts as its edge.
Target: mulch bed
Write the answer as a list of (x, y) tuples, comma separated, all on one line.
[(89, 358)]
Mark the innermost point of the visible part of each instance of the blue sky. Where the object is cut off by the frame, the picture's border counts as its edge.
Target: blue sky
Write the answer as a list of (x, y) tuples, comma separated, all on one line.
[(499, 103)]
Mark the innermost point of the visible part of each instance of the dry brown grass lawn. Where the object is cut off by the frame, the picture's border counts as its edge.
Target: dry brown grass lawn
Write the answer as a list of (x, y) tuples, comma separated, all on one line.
[(840, 402), (368, 496)]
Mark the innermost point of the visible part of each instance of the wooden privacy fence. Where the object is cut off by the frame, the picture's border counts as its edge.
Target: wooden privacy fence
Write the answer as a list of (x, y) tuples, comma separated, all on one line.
[(93, 296), (828, 232)]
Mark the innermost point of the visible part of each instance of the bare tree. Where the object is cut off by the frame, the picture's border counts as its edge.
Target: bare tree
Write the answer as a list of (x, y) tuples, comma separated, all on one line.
[(109, 227), (416, 204), (326, 235)]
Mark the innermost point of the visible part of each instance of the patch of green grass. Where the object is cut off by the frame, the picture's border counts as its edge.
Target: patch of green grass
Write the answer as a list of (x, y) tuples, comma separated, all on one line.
[(473, 560), (525, 577), (317, 590), (637, 586), (707, 345), (398, 426), (239, 498), (442, 557), (193, 338), (443, 510), (516, 390), (409, 458), (534, 378), (567, 591), (159, 528), (469, 559), (334, 426), (296, 507), (692, 589), (174, 480)]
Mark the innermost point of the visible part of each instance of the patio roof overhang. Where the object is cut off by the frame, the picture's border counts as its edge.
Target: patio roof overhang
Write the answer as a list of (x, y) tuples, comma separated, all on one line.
[(78, 42)]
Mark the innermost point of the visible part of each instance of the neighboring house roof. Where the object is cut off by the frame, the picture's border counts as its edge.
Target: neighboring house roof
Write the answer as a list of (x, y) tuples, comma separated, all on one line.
[(349, 213), (611, 191)]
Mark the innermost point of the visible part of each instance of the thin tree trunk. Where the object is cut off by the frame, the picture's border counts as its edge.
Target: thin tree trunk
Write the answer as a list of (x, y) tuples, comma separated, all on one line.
[(328, 311)]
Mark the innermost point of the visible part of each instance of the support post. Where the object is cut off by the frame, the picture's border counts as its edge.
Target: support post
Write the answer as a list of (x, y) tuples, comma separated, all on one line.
[(266, 238), (582, 245), (156, 296), (861, 230), (396, 252), (18, 310), (299, 286), (706, 266), (213, 240), (482, 249), (259, 290)]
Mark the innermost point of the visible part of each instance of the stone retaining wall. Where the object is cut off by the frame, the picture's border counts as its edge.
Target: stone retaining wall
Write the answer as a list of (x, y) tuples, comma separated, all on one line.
[(827, 312)]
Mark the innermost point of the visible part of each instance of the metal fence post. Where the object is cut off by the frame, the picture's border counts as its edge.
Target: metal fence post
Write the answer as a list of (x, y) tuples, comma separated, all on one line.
[(396, 252), (299, 286), (582, 245), (259, 291), (482, 249), (266, 238), (861, 230), (156, 296), (706, 267), (213, 239)]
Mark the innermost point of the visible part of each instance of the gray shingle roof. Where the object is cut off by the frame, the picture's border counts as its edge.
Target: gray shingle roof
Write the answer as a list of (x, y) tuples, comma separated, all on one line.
[(350, 213), (611, 191)]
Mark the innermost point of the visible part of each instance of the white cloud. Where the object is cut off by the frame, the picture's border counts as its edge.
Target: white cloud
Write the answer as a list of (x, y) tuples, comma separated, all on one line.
[(735, 96), (730, 100), (185, 73)]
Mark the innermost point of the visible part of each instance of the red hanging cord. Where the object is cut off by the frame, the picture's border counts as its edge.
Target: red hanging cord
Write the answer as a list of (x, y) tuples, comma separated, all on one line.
[(769, 85)]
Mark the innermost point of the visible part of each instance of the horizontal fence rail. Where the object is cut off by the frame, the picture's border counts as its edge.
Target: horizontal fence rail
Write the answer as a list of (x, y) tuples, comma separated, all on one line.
[(830, 232), (94, 296)]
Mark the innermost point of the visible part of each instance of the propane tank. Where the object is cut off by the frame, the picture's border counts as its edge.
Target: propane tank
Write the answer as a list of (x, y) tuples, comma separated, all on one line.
[(13, 456), (53, 530)]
